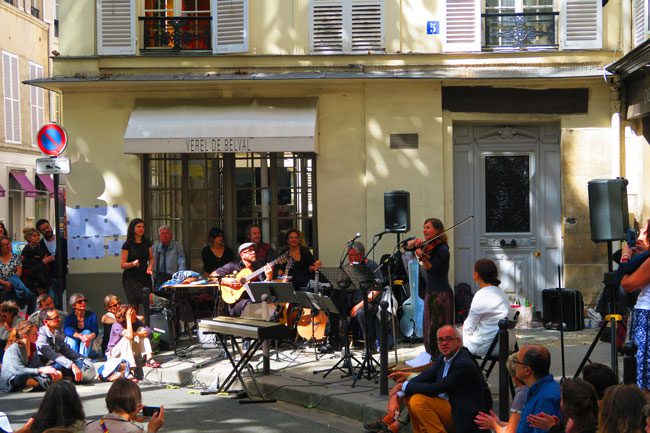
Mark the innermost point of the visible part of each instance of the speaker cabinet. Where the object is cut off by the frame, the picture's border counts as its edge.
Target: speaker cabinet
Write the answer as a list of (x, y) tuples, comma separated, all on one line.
[(397, 211), (162, 322), (608, 214), (572, 308)]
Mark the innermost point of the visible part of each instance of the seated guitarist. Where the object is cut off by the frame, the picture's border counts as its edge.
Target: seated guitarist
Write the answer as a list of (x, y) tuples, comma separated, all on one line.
[(246, 253), (355, 257)]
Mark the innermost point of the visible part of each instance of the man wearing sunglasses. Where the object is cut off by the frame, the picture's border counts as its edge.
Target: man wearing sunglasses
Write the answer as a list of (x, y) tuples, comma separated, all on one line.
[(54, 350)]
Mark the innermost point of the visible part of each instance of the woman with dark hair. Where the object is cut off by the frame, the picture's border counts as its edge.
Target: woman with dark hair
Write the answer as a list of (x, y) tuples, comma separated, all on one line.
[(60, 407), (489, 305), (216, 254), (22, 368), (622, 410), (36, 261), (301, 264), (3, 229), (137, 263), (439, 298), (124, 402)]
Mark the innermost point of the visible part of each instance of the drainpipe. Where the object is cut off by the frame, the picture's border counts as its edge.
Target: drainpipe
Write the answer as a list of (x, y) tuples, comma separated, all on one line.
[(617, 127)]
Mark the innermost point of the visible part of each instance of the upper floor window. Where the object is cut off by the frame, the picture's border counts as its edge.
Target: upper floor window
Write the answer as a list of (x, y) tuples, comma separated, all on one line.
[(217, 25), (347, 26), (640, 21), (36, 101), (11, 89), (522, 24)]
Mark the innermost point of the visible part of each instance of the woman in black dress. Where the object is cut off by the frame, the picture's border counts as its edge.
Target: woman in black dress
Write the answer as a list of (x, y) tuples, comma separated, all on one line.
[(439, 299), (137, 262), (301, 264), (216, 253)]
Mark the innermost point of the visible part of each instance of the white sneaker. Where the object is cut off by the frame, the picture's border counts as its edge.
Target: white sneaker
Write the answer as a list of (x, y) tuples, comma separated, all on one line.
[(28, 389)]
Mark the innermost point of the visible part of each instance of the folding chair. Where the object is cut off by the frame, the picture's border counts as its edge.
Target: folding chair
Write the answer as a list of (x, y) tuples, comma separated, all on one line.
[(490, 359)]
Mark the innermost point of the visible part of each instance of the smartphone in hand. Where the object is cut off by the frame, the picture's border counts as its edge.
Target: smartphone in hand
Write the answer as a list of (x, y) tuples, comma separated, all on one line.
[(150, 410), (631, 237)]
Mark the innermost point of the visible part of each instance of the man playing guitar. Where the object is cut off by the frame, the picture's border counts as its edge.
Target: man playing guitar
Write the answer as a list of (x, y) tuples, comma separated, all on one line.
[(241, 269)]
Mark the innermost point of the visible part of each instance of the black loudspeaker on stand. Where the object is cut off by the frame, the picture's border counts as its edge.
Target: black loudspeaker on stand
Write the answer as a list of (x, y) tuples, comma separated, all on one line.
[(608, 211), (397, 211)]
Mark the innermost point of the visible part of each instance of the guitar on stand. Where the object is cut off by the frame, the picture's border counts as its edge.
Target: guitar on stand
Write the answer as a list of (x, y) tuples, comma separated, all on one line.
[(312, 325)]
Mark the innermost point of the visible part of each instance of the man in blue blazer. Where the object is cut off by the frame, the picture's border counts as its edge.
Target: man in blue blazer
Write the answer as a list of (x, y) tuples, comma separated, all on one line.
[(447, 396)]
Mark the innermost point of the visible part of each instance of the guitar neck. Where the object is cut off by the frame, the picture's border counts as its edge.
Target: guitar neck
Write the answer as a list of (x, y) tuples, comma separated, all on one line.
[(254, 274)]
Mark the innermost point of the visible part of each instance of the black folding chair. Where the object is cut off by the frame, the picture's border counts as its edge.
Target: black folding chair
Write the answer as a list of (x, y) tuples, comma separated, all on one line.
[(490, 359)]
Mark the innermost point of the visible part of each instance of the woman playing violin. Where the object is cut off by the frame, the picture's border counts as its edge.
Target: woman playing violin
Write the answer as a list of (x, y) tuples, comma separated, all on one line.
[(433, 255)]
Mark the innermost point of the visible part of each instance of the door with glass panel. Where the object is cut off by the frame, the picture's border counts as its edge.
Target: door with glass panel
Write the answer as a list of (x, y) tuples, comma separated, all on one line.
[(177, 24), (508, 177)]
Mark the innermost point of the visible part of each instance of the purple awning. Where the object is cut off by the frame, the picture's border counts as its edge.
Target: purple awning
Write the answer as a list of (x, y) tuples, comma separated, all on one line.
[(47, 182), (2, 191), (25, 183)]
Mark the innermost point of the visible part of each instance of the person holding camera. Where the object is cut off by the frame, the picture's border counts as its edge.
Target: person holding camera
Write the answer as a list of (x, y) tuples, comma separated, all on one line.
[(124, 404)]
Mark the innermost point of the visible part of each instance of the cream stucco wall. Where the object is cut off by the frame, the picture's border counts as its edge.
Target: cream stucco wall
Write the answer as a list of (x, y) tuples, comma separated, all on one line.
[(281, 27)]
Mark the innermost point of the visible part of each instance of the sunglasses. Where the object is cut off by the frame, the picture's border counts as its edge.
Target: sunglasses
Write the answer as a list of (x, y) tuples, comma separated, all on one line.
[(80, 301), (117, 304), (54, 318)]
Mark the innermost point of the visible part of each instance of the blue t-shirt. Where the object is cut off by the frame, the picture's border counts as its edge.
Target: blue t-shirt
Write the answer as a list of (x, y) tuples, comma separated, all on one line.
[(543, 396)]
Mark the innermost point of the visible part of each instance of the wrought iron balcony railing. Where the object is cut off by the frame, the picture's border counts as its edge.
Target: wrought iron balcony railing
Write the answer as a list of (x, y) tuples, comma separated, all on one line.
[(177, 33), (520, 30)]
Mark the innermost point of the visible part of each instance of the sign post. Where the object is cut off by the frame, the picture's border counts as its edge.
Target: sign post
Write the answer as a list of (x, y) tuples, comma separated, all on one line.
[(52, 140)]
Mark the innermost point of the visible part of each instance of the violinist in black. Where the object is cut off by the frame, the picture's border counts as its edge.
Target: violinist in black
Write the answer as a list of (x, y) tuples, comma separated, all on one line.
[(301, 264), (439, 298)]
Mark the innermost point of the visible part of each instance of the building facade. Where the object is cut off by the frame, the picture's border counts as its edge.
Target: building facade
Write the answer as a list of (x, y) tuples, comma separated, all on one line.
[(303, 113), (27, 37)]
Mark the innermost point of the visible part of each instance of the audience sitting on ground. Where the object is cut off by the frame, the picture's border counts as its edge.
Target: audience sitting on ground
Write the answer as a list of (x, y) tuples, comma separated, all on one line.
[(622, 410), (601, 377), (22, 369), (129, 338), (124, 403), (579, 408), (44, 301), (491, 421), (9, 318), (532, 368), (80, 326), (489, 305), (444, 398), (111, 304), (60, 407), (52, 346)]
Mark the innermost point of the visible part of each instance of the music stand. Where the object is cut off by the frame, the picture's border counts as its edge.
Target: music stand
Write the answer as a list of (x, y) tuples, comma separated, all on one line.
[(363, 278), (260, 292), (322, 303), (340, 281)]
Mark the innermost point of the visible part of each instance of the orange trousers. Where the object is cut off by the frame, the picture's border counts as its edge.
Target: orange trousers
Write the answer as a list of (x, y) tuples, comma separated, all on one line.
[(429, 414)]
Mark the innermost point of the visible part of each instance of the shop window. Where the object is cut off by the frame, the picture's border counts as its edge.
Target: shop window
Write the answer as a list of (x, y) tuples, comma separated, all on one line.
[(192, 193)]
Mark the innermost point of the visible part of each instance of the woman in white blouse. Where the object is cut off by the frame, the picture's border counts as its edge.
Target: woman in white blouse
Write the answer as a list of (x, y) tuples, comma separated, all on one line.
[(489, 305)]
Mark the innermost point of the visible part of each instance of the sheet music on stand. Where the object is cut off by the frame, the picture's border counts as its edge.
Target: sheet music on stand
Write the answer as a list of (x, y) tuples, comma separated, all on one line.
[(337, 278), (322, 303), (362, 277)]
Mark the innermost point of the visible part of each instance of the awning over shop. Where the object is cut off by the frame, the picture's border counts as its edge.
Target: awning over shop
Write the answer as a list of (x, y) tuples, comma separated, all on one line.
[(2, 191), (25, 183), (47, 182), (259, 125)]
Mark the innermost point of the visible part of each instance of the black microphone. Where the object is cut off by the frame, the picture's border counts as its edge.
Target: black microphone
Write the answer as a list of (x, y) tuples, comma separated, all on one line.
[(378, 235), (406, 241), (356, 236)]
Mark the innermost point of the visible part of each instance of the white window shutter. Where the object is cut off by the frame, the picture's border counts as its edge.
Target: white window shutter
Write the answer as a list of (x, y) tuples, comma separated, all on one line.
[(326, 29), (640, 27), (11, 88), (581, 24), (463, 25), (37, 107), (116, 27), (229, 26), (367, 26)]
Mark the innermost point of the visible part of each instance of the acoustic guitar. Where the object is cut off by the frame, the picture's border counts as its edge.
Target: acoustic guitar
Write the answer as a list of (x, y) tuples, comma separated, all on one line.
[(231, 295), (313, 326)]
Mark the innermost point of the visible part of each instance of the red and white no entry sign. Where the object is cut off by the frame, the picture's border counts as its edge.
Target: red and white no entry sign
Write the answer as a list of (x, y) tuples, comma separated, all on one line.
[(52, 139)]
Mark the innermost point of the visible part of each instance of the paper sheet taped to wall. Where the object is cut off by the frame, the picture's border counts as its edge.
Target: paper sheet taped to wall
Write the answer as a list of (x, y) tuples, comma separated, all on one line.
[(96, 221)]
